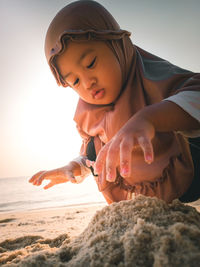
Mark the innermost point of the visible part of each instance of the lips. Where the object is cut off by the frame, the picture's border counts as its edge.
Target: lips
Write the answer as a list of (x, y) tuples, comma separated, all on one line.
[(98, 93)]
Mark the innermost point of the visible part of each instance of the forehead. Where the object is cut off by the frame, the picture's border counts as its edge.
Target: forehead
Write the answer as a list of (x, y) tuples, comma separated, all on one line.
[(79, 49)]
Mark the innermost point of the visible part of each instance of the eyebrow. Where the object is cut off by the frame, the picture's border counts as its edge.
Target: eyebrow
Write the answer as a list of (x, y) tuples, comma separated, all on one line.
[(85, 53)]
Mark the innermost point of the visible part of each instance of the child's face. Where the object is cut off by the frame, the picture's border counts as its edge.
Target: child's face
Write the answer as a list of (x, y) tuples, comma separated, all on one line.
[(92, 70)]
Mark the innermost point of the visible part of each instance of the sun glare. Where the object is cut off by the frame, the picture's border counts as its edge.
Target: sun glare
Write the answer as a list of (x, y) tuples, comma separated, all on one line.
[(48, 130)]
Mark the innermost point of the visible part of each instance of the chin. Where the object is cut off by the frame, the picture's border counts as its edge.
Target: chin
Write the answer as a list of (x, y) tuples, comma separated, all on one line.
[(98, 102)]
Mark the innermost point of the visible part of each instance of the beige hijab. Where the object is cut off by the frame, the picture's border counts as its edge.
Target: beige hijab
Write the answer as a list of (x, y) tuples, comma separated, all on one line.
[(147, 79)]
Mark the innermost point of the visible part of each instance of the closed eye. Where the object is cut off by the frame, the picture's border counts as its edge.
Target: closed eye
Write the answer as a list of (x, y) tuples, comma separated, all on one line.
[(77, 80), (92, 63)]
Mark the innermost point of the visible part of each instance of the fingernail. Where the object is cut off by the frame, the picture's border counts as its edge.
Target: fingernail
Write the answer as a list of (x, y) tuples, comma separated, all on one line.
[(149, 159), (109, 177), (124, 171)]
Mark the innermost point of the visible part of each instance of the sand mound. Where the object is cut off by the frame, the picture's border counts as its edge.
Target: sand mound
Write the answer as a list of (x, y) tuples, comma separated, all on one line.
[(141, 232)]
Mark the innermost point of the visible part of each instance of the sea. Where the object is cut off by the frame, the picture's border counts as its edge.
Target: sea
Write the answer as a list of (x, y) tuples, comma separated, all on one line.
[(17, 194)]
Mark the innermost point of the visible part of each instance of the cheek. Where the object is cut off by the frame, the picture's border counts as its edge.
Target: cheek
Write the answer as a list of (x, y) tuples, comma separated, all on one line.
[(111, 73)]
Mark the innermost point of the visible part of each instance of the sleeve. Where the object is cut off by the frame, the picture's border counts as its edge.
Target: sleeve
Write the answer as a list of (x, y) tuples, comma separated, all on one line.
[(190, 102)]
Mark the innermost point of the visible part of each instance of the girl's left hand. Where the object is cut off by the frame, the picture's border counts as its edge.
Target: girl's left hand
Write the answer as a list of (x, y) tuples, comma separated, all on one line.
[(137, 131)]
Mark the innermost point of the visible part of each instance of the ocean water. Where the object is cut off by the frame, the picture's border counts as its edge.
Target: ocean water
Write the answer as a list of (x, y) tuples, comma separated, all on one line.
[(17, 194)]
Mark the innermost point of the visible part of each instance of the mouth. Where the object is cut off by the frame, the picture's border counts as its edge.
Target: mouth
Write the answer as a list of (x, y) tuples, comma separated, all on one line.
[(98, 94)]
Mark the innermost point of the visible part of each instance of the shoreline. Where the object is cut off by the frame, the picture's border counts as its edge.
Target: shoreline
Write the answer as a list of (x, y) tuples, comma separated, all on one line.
[(85, 204)]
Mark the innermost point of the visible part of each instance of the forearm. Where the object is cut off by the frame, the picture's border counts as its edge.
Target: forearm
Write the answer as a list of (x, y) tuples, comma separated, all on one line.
[(167, 116)]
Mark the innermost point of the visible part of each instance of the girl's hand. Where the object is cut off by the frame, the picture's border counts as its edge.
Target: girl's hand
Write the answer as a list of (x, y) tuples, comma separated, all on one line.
[(57, 176), (136, 132)]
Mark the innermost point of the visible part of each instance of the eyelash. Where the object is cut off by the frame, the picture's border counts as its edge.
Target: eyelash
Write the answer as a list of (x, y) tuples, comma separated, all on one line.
[(89, 67), (77, 80), (92, 63)]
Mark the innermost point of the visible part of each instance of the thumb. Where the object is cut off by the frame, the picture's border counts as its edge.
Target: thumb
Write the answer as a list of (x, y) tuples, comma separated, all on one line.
[(49, 185)]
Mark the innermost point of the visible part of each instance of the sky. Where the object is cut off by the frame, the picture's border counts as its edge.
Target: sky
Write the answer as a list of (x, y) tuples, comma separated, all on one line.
[(37, 131)]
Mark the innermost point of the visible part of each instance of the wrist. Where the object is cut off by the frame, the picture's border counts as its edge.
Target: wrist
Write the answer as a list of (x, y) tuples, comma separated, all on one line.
[(75, 168), (84, 170), (161, 116), (143, 116)]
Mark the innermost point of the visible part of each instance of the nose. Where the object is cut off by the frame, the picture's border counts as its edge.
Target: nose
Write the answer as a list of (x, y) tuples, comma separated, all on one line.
[(88, 82)]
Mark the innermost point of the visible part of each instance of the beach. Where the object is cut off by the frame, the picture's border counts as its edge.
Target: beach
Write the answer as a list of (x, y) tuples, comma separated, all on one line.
[(48, 223), (144, 231), (29, 213)]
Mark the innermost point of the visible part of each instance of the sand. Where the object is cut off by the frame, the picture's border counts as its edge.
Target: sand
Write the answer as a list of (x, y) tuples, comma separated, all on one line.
[(140, 232), (48, 223)]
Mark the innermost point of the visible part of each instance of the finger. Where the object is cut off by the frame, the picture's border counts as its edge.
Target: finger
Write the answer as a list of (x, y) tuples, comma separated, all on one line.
[(34, 177), (44, 175), (49, 185), (100, 160), (112, 160), (72, 180), (126, 148), (146, 145), (102, 182)]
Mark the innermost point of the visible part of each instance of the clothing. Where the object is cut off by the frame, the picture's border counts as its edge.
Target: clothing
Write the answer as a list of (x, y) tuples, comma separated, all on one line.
[(190, 102), (193, 192), (147, 79)]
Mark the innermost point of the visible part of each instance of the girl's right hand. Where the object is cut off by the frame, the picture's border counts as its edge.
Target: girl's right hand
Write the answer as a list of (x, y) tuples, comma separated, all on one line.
[(57, 176), (137, 132)]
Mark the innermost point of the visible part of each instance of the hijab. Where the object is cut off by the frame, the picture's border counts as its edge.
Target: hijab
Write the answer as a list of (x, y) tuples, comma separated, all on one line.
[(147, 79), (83, 21)]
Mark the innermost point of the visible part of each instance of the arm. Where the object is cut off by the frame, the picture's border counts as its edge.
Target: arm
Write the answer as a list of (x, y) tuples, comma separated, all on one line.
[(165, 116)]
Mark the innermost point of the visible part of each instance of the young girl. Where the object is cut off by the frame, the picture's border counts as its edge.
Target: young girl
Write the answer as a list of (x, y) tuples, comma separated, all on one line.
[(135, 111)]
